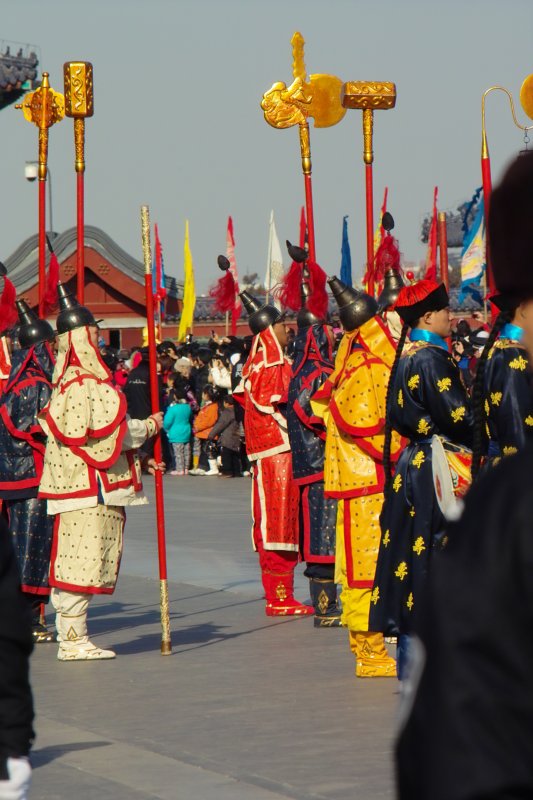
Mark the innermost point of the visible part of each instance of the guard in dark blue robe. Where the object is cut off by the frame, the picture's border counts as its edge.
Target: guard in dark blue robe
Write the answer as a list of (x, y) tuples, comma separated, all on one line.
[(466, 732), (426, 398), (502, 392), (22, 446), (313, 362)]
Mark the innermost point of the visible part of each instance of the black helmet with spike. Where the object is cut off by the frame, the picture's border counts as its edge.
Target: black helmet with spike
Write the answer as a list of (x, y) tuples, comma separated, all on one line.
[(355, 307), (260, 316), (32, 330), (71, 314), (392, 284)]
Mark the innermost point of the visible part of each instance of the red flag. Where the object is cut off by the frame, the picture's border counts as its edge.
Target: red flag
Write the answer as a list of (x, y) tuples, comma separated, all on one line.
[(52, 280), (431, 258), (230, 255), (303, 229), (8, 309)]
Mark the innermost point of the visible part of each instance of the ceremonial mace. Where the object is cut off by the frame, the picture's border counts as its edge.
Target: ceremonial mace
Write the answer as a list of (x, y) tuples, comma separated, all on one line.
[(166, 644), (526, 100), (44, 107), (369, 96), (79, 104), (284, 107)]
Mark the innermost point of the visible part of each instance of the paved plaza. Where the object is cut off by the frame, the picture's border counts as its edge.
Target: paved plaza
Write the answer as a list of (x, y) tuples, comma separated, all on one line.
[(246, 708)]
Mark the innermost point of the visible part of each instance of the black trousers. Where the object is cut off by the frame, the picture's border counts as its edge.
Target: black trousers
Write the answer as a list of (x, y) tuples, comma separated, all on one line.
[(231, 462)]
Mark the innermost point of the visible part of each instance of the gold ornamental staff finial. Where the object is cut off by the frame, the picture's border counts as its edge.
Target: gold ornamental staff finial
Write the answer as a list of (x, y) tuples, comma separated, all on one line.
[(44, 107), (369, 96), (285, 106), (79, 103)]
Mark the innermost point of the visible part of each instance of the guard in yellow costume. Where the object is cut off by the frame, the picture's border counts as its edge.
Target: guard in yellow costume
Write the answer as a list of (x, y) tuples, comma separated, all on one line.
[(352, 403)]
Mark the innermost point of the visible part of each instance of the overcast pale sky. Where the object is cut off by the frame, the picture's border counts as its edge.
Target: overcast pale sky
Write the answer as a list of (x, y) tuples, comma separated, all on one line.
[(178, 125)]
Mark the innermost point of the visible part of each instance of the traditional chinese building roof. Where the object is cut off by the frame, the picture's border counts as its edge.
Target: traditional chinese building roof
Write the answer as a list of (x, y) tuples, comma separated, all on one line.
[(18, 71), (22, 265)]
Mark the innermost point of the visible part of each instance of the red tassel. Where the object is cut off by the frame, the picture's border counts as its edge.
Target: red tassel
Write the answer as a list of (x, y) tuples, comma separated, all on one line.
[(387, 257), (318, 301), (52, 280), (8, 310), (223, 293), (289, 290)]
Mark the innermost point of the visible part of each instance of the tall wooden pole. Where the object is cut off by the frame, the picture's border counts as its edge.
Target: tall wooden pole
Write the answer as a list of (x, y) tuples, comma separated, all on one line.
[(166, 643)]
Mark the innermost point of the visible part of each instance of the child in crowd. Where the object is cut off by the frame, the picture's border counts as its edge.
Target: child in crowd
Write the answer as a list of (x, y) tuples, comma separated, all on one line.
[(206, 418), (177, 424), (227, 429)]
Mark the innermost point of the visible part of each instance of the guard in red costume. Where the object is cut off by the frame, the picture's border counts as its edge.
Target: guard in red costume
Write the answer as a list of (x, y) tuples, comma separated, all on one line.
[(265, 382), (8, 318)]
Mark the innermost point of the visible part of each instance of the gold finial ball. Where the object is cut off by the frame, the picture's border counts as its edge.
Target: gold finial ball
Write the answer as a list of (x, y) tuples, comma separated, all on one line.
[(526, 96)]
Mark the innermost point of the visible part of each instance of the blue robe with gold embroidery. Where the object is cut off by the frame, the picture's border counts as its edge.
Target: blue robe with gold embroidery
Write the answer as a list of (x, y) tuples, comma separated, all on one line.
[(507, 398), (428, 399)]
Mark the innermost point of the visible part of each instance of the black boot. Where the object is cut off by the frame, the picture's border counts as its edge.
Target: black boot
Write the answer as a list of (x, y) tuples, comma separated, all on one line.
[(324, 599)]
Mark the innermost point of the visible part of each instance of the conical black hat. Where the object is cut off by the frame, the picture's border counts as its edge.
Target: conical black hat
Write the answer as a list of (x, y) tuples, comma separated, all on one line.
[(71, 314), (26, 314), (392, 284), (259, 316), (32, 330), (355, 307)]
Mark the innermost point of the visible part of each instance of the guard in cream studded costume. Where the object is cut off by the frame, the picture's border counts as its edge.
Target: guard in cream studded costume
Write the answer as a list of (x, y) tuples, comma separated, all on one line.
[(90, 473)]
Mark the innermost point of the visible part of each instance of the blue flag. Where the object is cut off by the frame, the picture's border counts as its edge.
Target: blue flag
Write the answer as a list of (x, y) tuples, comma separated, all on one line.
[(473, 259), (346, 258)]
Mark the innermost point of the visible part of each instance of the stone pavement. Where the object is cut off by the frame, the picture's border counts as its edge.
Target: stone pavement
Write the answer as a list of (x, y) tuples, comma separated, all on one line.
[(246, 708)]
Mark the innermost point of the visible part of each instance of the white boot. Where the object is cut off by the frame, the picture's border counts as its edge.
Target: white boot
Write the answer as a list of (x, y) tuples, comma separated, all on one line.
[(213, 468), (71, 621)]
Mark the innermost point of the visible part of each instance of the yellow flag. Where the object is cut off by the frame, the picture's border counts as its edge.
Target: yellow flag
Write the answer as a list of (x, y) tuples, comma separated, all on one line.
[(189, 296)]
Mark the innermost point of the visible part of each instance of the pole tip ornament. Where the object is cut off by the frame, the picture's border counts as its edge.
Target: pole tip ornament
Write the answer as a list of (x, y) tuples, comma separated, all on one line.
[(526, 96), (373, 95), (387, 221), (298, 254), (79, 94), (223, 263), (3, 270)]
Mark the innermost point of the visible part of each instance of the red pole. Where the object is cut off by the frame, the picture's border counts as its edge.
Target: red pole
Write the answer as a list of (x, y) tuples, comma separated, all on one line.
[(310, 216), (305, 151), (443, 250), (487, 191), (369, 190), (80, 252), (166, 644), (42, 242)]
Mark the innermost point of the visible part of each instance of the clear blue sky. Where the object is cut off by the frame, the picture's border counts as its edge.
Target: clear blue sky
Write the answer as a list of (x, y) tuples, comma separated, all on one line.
[(177, 121)]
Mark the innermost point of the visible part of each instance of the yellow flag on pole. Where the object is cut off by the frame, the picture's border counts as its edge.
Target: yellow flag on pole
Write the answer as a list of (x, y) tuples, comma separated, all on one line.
[(189, 295)]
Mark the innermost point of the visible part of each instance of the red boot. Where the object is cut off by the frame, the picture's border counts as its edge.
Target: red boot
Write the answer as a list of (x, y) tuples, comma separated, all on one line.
[(280, 600)]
